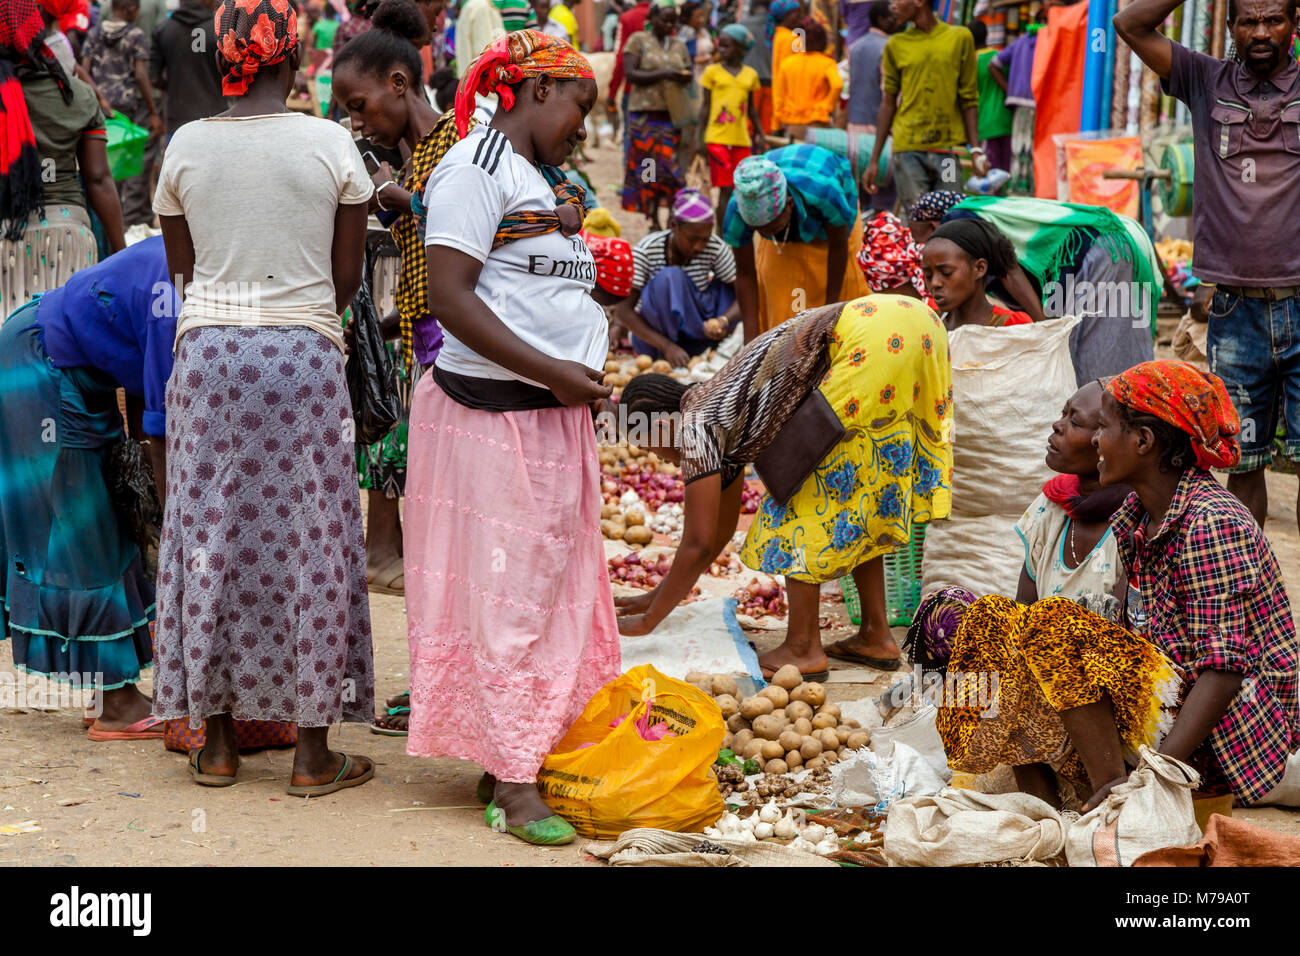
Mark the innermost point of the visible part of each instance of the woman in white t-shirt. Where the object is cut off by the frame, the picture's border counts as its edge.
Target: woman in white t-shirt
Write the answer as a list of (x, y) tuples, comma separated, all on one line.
[(262, 607), (1069, 549), (511, 618)]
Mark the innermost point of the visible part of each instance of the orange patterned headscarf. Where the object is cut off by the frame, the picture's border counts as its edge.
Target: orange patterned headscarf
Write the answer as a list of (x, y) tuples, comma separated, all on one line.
[(1187, 398), (514, 57), (252, 34)]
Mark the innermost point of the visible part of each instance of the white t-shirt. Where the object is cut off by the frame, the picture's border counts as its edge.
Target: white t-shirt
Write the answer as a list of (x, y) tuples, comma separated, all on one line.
[(540, 287), (259, 194), (1044, 528)]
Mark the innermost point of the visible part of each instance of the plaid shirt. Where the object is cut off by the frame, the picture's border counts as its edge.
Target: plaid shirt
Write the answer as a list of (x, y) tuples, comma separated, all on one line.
[(1213, 599), (821, 185)]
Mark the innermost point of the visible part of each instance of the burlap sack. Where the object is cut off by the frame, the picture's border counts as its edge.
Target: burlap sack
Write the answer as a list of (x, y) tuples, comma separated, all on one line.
[(648, 847), (1150, 811), (964, 828)]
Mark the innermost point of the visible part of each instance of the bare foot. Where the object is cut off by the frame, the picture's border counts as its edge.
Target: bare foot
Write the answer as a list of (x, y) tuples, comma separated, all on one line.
[(521, 803), (314, 771), (400, 721), (121, 707), (871, 641), (773, 660)]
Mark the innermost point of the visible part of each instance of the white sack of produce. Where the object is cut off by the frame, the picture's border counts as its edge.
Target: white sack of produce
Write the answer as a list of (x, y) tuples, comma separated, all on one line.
[(1009, 385), (964, 828), (1149, 811), (919, 733), (979, 552), (868, 779)]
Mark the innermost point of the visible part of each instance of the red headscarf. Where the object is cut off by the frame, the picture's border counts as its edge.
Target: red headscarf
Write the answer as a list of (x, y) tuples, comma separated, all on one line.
[(252, 34), (21, 189), (511, 58), (71, 14), (1186, 398), (613, 262)]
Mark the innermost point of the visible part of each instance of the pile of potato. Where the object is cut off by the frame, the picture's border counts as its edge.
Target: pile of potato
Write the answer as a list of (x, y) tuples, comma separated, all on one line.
[(787, 726), (628, 526), (620, 371), (624, 458)]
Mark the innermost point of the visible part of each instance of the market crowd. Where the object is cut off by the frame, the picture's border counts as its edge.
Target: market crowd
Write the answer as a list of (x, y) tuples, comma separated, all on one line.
[(200, 199)]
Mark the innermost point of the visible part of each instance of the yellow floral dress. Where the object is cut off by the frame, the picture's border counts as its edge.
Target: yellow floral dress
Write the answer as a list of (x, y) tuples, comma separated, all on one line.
[(890, 383)]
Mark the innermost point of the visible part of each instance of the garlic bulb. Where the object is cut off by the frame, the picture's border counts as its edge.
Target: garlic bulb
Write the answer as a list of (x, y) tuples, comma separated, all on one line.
[(828, 846), (763, 831), (746, 836), (728, 823), (770, 813), (748, 823), (712, 832), (813, 833), (801, 844), (784, 829)]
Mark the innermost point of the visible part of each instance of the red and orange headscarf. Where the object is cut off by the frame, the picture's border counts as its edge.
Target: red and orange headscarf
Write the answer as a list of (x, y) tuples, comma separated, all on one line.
[(511, 58), (1186, 398), (252, 34)]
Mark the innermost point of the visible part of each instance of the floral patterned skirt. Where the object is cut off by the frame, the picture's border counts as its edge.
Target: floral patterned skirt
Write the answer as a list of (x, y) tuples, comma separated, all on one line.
[(262, 605), (890, 383)]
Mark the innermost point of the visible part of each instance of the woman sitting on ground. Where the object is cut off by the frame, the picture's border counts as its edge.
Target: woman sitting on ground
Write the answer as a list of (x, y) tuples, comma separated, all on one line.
[(1069, 552), (683, 298), (958, 262), (881, 362), (1203, 667)]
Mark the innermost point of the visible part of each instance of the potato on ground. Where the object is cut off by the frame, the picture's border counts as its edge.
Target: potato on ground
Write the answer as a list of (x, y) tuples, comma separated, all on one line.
[(788, 677)]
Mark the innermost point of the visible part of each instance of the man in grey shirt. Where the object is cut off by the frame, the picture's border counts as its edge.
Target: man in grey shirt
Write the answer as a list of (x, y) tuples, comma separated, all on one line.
[(1245, 114), (864, 87)]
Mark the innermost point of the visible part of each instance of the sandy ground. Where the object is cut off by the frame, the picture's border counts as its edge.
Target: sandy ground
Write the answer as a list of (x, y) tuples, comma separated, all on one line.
[(134, 804)]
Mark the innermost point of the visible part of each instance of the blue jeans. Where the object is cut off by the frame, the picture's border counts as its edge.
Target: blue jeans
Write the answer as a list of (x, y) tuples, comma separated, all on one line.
[(917, 172), (1254, 346)]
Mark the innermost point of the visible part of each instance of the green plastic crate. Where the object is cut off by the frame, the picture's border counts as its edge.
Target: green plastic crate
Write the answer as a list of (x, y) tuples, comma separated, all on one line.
[(125, 147), (902, 583)]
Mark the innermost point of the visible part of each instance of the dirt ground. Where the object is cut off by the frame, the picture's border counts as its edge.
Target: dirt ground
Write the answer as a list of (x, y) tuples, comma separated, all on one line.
[(134, 804)]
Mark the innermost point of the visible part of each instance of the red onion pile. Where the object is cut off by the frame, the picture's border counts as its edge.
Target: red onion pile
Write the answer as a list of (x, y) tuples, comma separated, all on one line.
[(759, 600)]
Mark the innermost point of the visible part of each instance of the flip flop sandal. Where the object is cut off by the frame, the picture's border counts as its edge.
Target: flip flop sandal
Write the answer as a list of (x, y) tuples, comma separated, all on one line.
[(148, 728), (385, 576), (341, 782), (550, 831), (879, 663), (382, 731), (208, 779)]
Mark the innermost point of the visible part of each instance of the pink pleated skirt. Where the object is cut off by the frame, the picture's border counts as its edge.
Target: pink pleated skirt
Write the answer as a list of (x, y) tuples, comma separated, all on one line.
[(510, 616)]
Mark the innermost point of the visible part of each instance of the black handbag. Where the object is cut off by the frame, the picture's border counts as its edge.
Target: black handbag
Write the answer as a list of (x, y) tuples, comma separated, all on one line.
[(372, 383), (799, 447)]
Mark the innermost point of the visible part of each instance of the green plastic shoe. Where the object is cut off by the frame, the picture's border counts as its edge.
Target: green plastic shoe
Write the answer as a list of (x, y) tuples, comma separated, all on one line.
[(552, 831), (485, 788)]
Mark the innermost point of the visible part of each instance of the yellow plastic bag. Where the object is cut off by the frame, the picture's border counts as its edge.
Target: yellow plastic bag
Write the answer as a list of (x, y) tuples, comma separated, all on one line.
[(621, 781)]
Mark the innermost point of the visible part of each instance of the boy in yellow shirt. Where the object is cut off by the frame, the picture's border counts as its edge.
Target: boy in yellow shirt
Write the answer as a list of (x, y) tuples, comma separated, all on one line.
[(729, 90)]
